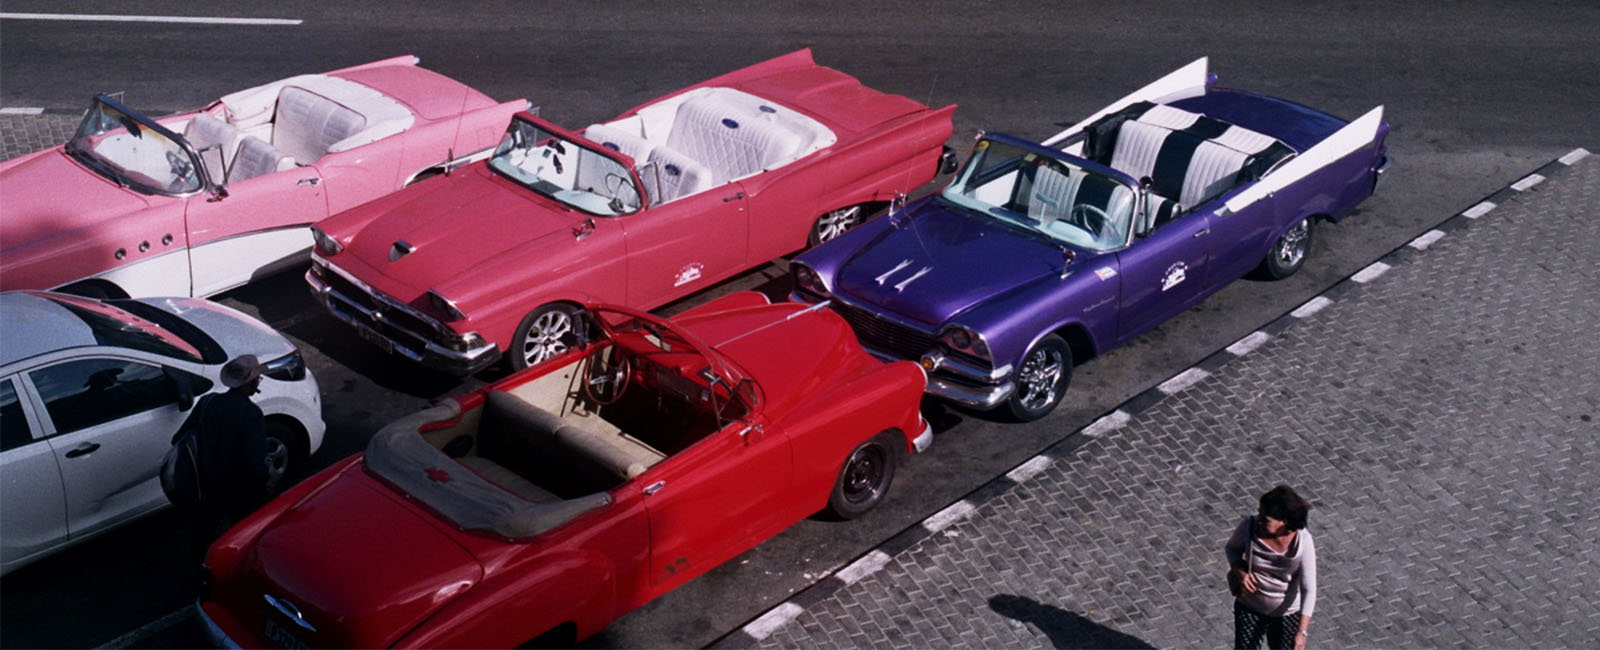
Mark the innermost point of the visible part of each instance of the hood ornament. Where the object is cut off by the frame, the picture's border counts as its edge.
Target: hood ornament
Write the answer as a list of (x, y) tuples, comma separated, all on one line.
[(885, 277), (400, 249)]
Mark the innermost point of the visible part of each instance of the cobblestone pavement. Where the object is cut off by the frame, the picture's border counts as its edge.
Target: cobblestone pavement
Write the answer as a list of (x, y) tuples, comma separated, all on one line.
[(20, 134), (1438, 410)]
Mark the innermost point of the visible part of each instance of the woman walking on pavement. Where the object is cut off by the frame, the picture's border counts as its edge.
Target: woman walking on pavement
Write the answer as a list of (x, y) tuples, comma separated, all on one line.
[(1273, 573)]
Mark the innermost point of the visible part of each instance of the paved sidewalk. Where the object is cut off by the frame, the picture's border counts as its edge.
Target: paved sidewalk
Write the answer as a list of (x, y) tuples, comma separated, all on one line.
[(1438, 410)]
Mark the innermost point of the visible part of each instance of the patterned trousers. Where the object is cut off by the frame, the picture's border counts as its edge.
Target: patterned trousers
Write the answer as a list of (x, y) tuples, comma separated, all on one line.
[(1249, 627)]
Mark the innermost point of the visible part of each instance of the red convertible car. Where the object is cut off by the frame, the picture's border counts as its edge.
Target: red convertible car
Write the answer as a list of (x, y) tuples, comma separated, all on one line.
[(662, 201), (544, 506)]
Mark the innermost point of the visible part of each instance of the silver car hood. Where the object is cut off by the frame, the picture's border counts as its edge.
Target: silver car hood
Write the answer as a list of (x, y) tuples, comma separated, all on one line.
[(237, 332)]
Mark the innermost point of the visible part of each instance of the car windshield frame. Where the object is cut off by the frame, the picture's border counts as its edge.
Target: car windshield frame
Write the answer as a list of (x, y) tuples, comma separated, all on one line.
[(114, 327), (987, 186), (135, 152), (551, 161), (666, 337)]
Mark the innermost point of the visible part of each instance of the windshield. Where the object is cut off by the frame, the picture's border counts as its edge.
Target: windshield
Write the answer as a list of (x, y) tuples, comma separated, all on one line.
[(133, 151), (1052, 196), (115, 327), (565, 171)]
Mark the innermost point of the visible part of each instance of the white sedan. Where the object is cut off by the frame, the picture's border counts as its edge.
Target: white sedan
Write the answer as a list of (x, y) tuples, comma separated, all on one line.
[(91, 393)]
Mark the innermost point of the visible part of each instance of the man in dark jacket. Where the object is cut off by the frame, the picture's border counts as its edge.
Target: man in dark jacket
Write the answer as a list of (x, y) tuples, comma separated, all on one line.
[(231, 445)]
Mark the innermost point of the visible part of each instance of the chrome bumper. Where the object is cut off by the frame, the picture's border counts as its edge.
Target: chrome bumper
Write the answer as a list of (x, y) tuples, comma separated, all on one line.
[(427, 353), (981, 396), (924, 439)]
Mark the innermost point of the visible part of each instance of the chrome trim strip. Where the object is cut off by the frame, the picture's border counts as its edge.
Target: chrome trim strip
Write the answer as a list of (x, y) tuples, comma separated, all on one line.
[(289, 610)]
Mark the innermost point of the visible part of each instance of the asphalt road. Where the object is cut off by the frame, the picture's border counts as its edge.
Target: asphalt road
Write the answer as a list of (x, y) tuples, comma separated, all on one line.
[(1478, 93)]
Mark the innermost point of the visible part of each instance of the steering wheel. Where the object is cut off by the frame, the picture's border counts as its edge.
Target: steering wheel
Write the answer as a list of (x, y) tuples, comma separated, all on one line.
[(1091, 218), (607, 377), (181, 168)]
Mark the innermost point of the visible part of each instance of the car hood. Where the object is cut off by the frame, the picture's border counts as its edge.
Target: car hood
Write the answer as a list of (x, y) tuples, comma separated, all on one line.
[(361, 566), (747, 336), (51, 194), (453, 227), (941, 262), (234, 331)]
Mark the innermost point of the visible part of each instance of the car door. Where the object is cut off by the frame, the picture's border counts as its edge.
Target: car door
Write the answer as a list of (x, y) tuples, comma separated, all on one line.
[(1239, 238), (715, 499), (686, 245), (1162, 271), (110, 421), (261, 226), (33, 509)]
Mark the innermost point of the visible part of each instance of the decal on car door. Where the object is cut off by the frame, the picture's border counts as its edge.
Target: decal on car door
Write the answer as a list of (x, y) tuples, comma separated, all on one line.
[(689, 274), (1176, 274)]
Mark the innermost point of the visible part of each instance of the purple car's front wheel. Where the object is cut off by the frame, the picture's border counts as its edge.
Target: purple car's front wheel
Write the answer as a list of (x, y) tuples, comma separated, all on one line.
[(1041, 379)]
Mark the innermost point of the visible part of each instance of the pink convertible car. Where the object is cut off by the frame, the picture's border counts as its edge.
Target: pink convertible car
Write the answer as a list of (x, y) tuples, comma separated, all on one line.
[(200, 202)]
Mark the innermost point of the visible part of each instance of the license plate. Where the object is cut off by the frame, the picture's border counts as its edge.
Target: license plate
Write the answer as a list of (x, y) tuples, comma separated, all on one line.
[(377, 339), (282, 637)]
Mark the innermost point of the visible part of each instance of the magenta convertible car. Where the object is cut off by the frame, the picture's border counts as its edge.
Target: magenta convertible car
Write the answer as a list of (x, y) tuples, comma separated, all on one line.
[(200, 202), (1040, 256)]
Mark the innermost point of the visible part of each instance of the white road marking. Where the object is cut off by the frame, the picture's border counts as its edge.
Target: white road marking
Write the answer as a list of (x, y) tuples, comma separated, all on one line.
[(775, 618), (1030, 469), (1576, 155), (950, 515), (866, 566), (1312, 306), (1530, 181), (132, 638), (1479, 210), (21, 110), (1249, 343), (1426, 240), (204, 20), (1107, 424), (1183, 380), (1370, 273)]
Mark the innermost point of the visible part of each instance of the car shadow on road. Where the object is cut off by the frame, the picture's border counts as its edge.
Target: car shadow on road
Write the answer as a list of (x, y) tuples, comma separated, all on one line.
[(1065, 629)]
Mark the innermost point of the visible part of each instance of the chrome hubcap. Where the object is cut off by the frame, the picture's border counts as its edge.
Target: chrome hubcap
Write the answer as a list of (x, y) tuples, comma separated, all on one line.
[(1038, 378), (549, 336), (835, 223), (1292, 245)]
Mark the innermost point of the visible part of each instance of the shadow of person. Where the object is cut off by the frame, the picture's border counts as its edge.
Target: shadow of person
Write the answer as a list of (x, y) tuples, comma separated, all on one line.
[(1065, 629)]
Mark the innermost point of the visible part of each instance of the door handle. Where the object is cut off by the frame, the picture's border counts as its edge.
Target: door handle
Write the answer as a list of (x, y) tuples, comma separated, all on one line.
[(1203, 233), (313, 182), (735, 197), (654, 487), (83, 449)]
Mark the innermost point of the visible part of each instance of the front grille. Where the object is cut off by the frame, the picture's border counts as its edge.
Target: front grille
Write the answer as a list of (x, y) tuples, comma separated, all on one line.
[(384, 314), (884, 335)]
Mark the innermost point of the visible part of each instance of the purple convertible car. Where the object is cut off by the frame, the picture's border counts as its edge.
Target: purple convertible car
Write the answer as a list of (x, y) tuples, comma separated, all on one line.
[(1039, 256)]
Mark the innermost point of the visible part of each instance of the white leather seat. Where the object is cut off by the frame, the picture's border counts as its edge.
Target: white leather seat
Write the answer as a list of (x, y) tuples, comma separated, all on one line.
[(1051, 196), (255, 158), (674, 176), (307, 124), (206, 131), (631, 145), (732, 140)]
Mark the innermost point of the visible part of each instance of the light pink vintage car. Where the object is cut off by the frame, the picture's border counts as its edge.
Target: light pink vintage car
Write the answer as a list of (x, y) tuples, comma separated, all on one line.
[(201, 202)]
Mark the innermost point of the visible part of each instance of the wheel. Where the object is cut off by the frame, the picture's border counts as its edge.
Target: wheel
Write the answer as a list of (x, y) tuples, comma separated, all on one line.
[(1288, 254), (283, 451), (608, 376), (865, 477), (1041, 379), (833, 224), (546, 333)]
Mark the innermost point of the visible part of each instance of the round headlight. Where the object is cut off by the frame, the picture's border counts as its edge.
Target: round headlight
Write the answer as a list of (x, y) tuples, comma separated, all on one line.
[(807, 280), (326, 244), (961, 339)]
